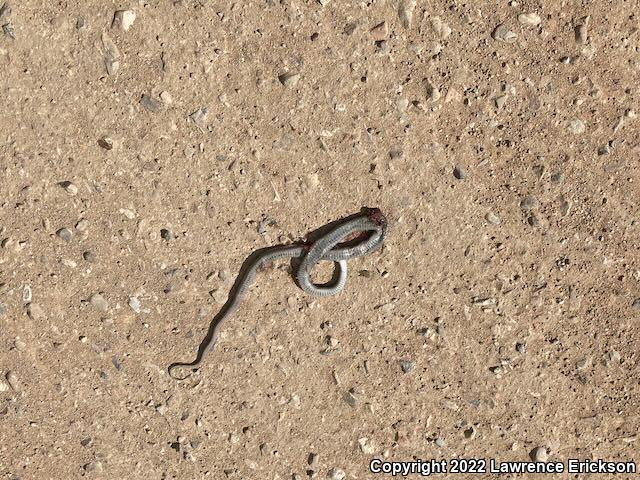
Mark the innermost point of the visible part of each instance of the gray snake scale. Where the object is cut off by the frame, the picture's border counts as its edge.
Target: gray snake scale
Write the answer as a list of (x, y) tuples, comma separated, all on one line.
[(325, 247)]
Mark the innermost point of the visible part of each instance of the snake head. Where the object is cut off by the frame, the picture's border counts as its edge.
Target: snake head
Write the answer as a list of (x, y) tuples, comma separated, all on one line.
[(375, 215)]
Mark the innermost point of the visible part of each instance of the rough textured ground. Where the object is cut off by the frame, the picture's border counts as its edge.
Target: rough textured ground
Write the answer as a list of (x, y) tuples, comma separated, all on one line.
[(139, 167)]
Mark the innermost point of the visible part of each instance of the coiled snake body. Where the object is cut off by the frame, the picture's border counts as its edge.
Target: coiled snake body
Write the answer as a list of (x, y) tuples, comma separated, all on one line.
[(326, 247)]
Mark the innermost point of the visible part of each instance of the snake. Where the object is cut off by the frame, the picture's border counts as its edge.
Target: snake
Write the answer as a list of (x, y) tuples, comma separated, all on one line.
[(369, 228)]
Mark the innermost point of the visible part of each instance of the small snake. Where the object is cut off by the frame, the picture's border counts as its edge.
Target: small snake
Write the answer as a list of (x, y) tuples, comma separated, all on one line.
[(326, 247)]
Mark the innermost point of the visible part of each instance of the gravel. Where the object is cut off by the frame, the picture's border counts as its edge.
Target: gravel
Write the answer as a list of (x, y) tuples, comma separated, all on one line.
[(336, 474), (539, 454), (70, 188), (151, 104), (36, 312), (492, 218), (405, 12), (65, 234), (531, 19), (98, 301), (134, 303), (289, 79), (502, 34), (406, 365), (379, 32), (459, 173), (577, 126), (123, 19)]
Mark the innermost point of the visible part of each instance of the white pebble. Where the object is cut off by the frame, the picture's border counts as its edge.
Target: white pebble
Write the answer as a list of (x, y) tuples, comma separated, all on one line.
[(134, 303), (70, 188), (336, 474), (539, 454), (366, 446), (123, 19), (26, 294), (577, 126), (442, 29), (503, 34), (405, 12), (99, 302), (12, 378), (529, 19)]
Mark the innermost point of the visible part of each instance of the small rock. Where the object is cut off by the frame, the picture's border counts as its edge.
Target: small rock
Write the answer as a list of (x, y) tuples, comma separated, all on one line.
[(89, 256), (65, 234), (336, 474), (12, 379), (166, 98), (470, 433), (3, 309), (199, 116), (69, 187), (502, 34), (442, 29), (379, 32), (98, 301), (80, 23), (27, 294), (68, 263), (5, 10), (35, 311), (433, 93), (7, 29), (557, 177), (500, 101), (106, 143), (82, 225), (405, 12), (112, 66), (123, 19), (406, 365), (528, 202), (581, 34), (492, 218), (4, 386), (134, 303), (151, 104), (324, 3), (459, 173), (92, 467), (289, 79), (130, 214), (440, 442), (111, 54), (366, 446), (577, 126), (539, 454), (532, 19), (635, 304), (350, 398), (349, 28)]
